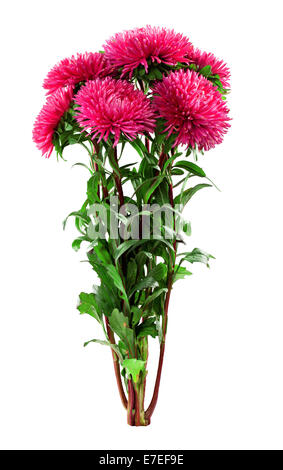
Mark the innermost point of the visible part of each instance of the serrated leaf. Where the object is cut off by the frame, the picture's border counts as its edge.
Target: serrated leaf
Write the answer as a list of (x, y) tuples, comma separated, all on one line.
[(88, 305), (196, 256), (180, 273)]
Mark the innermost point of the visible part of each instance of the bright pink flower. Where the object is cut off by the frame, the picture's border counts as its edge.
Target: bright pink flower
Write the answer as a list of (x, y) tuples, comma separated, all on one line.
[(49, 117), (108, 106), (217, 65), (75, 69), (192, 108), (131, 48)]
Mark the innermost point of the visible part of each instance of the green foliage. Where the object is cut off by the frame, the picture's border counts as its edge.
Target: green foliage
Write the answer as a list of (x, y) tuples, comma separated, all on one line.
[(191, 168), (184, 197), (106, 343), (120, 325), (147, 328), (135, 276), (134, 367), (196, 256), (89, 306), (151, 280)]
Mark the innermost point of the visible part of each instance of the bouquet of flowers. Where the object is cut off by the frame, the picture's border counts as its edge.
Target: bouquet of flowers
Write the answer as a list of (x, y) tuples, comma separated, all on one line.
[(150, 89)]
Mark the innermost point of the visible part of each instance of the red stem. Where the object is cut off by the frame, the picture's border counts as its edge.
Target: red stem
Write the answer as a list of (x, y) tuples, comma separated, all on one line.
[(137, 408), (153, 402), (116, 365), (118, 181), (131, 404)]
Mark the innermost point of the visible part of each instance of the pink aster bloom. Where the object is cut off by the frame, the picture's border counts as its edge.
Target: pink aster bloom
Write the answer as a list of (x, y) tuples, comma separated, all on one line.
[(108, 106), (75, 69), (217, 65), (192, 108), (131, 48), (49, 117)]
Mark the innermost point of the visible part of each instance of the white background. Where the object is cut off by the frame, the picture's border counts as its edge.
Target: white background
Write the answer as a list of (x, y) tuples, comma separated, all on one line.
[(222, 385)]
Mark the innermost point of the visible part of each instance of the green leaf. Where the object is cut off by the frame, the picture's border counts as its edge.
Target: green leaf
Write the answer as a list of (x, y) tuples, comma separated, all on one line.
[(177, 172), (205, 71), (102, 253), (184, 197), (132, 270), (180, 273), (88, 305), (137, 314), (83, 165), (153, 187), (191, 167), (115, 276), (106, 298), (147, 328), (156, 274), (68, 127), (169, 161), (78, 214), (77, 243), (196, 256), (134, 367), (127, 245), (106, 343), (153, 296), (120, 325), (92, 189), (137, 148), (159, 272)]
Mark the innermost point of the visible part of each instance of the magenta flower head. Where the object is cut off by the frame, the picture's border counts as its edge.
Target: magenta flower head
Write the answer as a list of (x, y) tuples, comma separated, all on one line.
[(131, 48), (107, 106), (192, 108), (75, 69), (49, 117), (201, 59)]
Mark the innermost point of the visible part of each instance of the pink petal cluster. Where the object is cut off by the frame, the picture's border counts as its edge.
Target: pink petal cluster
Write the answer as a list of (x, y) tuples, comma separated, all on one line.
[(218, 66), (49, 117), (192, 108), (108, 106), (131, 48), (75, 69)]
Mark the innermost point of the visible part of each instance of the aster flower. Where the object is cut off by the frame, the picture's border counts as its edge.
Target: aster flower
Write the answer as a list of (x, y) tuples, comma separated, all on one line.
[(49, 117), (218, 66), (108, 106), (75, 69), (131, 48), (192, 108)]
